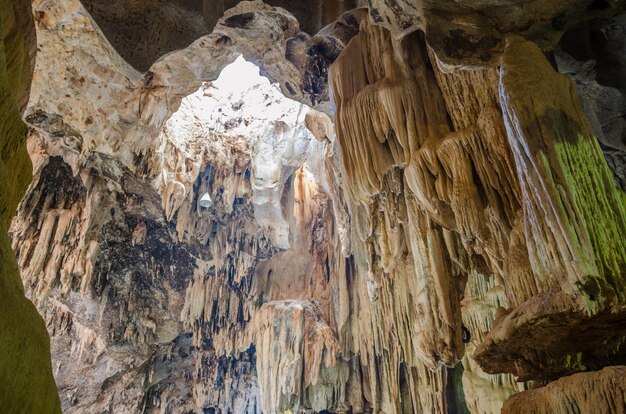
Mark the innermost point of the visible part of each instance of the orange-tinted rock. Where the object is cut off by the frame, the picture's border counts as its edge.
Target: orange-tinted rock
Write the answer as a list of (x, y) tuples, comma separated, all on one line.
[(594, 392)]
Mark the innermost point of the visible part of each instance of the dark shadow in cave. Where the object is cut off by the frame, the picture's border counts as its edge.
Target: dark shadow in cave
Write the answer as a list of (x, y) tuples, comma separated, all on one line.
[(142, 32)]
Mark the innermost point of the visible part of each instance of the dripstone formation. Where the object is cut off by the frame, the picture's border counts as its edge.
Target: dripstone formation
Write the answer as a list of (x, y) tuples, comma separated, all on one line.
[(334, 207)]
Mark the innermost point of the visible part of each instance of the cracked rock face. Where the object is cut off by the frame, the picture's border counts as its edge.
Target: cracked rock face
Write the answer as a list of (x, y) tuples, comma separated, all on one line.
[(287, 207)]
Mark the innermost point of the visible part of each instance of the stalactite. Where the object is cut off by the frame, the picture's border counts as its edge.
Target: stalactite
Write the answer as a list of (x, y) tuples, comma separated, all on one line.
[(443, 230)]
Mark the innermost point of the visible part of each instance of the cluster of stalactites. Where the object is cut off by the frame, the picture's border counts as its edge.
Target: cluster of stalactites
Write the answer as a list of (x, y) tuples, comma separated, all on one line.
[(443, 187)]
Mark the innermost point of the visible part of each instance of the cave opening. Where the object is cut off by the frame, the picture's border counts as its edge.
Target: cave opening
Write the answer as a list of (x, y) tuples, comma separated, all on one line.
[(248, 142)]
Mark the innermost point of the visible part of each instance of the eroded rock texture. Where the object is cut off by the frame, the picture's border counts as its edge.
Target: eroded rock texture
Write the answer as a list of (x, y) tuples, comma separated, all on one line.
[(465, 32), (593, 55), (142, 32), (594, 392), (410, 212)]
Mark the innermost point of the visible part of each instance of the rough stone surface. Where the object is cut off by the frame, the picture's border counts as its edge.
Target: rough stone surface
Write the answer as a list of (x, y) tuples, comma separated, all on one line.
[(471, 33), (593, 55), (142, 31), (576, 214), (510, 209), (156, 285), (594, 392), (410, 213)]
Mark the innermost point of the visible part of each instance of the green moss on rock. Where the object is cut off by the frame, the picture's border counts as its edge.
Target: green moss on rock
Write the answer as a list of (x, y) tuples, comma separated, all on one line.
[(26, 381), (600, 206)]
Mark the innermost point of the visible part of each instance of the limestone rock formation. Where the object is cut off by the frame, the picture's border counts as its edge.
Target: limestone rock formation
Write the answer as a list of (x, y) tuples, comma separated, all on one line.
[(399, 208), (592, 55), (142, 32), (576, 245), (595, 392), (469, 33)]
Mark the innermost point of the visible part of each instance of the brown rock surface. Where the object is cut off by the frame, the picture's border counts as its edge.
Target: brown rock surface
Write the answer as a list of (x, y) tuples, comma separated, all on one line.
[(142, 32), (439, 221), (594, 392), (472, 33), (576, 249)]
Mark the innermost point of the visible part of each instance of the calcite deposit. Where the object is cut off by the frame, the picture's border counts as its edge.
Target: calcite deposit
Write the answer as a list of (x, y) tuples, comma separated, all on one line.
[(314, 207)]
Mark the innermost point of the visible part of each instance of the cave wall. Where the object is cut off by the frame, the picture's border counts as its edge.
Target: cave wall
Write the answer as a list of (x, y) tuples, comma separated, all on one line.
[(472, 34), (162, 303), (482, 169), (436, 230), (25, 366)]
